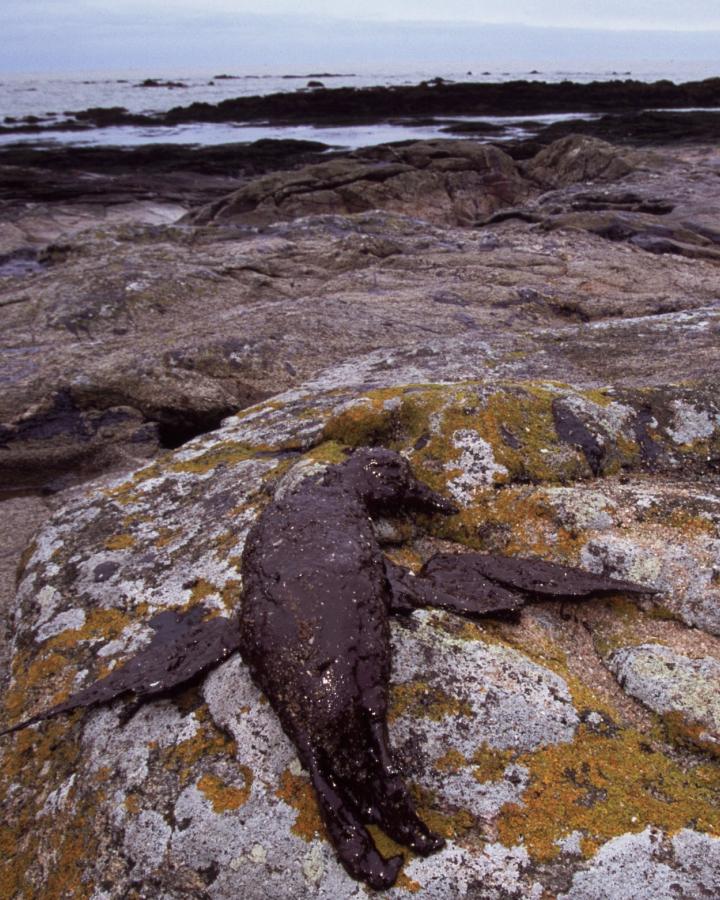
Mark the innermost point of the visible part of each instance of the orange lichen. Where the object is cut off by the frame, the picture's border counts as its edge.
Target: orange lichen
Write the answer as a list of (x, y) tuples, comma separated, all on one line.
[(451, 761), (206, 743), (683, 730), (38, 673), (226, 797), (132, 804), (297, 792), (490, 764), (604, 786), (449, 825), (99, 623), (38, 762)]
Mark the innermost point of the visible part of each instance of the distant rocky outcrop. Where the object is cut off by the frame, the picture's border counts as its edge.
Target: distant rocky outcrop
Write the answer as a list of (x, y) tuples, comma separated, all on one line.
[(677, 211), (577, 158), (444, 182)]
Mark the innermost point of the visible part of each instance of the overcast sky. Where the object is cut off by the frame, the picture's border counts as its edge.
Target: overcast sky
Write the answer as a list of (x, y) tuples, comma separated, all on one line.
[(62, 35), (646, 14)]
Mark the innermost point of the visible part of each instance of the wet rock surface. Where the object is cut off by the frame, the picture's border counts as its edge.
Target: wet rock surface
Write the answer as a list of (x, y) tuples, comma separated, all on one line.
[(560, 386)]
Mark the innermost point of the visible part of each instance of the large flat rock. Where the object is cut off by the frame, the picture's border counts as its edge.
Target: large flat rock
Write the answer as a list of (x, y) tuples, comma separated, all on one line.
[(521, 745)]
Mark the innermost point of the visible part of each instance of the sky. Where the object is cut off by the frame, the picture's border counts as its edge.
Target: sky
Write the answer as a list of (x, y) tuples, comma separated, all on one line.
[(78, 35)]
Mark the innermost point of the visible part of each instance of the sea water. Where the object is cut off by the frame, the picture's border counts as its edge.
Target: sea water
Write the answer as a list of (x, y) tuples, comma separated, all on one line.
[(51, 97)]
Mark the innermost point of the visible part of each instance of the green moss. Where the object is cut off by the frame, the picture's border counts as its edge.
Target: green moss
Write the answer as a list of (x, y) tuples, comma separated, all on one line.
[(393, 417), (328, 452)]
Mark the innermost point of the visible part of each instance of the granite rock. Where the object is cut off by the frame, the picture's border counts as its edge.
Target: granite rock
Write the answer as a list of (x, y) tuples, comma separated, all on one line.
[(493, 723)]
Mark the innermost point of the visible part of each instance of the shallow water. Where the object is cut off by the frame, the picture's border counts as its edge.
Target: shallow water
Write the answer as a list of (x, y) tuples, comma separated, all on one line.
[(210, 133)]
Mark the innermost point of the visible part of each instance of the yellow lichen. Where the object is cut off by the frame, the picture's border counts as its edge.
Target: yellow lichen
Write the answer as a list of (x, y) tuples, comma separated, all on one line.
[(394, 417), (421, 700), (166, 536), (120, 542), (200, 590), (226, 453), (604, 786), (231, 594), (361, 425), (224, 543)]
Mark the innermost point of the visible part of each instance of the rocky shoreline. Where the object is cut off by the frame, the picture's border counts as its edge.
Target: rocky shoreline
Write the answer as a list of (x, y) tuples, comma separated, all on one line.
[(379, 104), (111, 250), (536, 326)]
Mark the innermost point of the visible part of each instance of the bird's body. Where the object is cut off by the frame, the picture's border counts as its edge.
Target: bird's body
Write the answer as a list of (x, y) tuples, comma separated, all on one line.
[(314, 630)]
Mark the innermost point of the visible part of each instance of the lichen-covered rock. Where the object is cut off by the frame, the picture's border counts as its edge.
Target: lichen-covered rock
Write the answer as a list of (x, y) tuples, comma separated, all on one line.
[(650, 866), (520, 746), (180, 325), (685, 691)]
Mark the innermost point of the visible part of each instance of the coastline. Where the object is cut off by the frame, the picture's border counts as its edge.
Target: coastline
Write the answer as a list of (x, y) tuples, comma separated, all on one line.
[(431, 99), (534, 324)]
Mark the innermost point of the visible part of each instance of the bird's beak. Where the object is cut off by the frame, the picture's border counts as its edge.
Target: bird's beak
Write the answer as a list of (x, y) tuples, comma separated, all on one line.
[(423, 499)]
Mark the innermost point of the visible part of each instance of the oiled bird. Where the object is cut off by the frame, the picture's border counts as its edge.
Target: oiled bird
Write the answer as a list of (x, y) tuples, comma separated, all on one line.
[(313, 628)]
